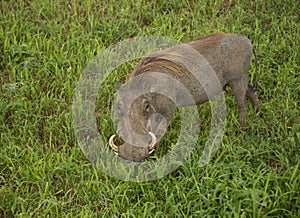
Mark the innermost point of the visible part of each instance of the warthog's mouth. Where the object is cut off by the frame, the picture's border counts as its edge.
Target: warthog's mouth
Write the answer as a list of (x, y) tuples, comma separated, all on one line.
[(151, 147)]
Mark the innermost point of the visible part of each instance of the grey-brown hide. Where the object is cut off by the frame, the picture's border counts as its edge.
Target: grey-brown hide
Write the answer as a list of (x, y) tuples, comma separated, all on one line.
[(229, 55), (138, 115)]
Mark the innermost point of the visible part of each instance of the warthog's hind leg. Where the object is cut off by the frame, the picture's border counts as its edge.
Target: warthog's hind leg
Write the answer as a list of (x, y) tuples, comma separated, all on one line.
[(239, 89), (253, 98)]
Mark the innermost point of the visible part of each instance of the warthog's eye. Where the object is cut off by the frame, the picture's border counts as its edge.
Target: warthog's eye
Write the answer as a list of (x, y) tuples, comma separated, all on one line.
[(146, 108)]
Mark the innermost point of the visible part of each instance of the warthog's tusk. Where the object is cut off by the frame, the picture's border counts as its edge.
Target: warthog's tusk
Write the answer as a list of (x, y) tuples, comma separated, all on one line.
[(153, 142), (112, 144)]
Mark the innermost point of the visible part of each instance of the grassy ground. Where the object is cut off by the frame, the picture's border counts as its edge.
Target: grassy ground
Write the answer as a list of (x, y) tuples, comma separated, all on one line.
[(46, 45)]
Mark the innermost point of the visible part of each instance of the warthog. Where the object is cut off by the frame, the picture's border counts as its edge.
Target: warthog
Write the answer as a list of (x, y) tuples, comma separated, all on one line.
[(229, 55)]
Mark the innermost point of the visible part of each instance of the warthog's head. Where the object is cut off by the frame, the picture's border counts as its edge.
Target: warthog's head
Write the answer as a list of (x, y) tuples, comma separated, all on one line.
[(142, 118)]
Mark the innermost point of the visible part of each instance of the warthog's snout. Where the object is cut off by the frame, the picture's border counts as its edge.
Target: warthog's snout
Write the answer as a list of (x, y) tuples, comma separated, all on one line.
[(134, 153)]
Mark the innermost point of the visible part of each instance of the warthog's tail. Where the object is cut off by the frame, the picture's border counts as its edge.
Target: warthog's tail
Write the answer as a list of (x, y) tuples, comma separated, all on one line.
[(256, 70)]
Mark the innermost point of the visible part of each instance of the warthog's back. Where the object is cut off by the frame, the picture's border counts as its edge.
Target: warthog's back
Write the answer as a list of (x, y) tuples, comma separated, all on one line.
[(227, 54)]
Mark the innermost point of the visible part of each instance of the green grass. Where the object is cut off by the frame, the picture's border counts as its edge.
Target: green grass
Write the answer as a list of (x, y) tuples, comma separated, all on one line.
[(46, 45)]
